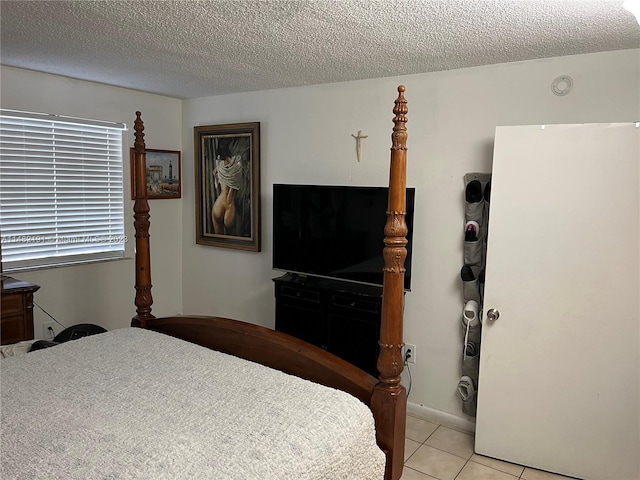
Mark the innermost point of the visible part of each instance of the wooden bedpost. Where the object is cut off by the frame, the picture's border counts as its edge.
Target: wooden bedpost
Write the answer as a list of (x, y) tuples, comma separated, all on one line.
[(389, 399), (144, 300)]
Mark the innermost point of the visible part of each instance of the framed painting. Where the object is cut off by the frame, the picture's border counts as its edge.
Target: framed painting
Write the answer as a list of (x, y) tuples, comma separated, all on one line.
[(163, 174), (227, 170)]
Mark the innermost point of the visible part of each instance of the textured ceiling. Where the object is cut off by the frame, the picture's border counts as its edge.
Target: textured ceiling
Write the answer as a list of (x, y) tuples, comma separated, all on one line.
[(190, 49)]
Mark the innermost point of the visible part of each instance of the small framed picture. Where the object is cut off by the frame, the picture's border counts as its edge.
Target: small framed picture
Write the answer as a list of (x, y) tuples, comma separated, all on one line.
[(227, 168), (163, 174)]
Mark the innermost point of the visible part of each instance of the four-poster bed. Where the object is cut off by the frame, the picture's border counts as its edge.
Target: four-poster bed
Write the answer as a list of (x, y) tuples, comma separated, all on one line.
[(385, 396)]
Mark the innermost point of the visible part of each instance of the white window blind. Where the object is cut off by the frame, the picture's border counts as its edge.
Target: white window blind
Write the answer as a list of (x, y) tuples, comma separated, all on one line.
[(61, 190)]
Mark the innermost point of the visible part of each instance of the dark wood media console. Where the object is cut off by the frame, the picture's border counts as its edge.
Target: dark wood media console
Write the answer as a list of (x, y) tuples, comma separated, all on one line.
[(340, 317)]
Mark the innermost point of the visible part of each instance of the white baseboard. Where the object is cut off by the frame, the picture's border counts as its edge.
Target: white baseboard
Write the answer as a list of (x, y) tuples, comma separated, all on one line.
[(442, 418)]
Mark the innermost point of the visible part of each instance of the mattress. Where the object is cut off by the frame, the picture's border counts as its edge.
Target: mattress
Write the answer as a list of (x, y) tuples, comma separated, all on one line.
[(136, 404)]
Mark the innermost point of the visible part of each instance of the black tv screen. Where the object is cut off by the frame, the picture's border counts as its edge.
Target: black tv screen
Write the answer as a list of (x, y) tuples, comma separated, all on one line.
[(334, 231)]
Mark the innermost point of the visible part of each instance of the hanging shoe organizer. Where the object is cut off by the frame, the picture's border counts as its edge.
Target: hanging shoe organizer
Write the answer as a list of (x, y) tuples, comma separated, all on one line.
[(477, 196)]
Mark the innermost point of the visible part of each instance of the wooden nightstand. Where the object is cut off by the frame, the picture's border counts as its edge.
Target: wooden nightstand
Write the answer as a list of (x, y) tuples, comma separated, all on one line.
[(17, 310)]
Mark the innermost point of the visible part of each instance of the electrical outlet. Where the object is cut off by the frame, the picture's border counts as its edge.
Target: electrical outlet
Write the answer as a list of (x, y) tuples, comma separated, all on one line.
[(48, 331), (411, 351)]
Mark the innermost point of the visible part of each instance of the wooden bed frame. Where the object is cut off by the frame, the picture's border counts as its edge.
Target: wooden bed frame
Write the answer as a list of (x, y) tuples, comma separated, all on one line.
[(385, 395)]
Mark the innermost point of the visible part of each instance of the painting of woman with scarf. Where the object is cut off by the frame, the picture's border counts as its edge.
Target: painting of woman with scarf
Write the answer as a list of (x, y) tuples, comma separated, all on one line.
[(228, 197)]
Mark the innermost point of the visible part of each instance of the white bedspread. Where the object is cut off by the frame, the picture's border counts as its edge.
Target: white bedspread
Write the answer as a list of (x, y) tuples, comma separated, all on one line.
[(134, 404)]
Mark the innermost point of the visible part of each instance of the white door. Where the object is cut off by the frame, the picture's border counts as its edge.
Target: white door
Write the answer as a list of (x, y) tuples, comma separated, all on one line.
[(560, 367)]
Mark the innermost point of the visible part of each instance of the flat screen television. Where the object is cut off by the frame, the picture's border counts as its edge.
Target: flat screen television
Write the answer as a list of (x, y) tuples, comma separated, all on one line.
[(334, 231)]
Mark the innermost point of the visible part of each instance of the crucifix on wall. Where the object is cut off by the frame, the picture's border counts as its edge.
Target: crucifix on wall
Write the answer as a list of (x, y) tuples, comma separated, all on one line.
[(359, 138)]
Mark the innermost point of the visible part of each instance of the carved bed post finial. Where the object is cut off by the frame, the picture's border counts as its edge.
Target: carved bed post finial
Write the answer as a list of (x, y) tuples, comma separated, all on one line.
[(138, 126), (389, 397), (399, 135), (143, 300)]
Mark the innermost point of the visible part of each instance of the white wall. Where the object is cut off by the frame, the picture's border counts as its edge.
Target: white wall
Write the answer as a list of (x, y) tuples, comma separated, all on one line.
[(103, 293), (306, 138)]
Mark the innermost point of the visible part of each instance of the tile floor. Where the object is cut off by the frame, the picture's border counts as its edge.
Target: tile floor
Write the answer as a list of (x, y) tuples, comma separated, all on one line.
[(434, 451)]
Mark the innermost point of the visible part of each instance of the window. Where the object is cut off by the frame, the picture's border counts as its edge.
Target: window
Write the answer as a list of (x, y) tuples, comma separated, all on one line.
[(61, 190)]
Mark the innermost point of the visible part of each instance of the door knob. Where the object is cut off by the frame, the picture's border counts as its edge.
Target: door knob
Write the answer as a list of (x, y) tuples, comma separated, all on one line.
[(493, 314)]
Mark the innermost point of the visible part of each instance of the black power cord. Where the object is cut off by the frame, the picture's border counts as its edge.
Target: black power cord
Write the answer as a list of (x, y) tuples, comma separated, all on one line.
[(50, 316), (407, 356)]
